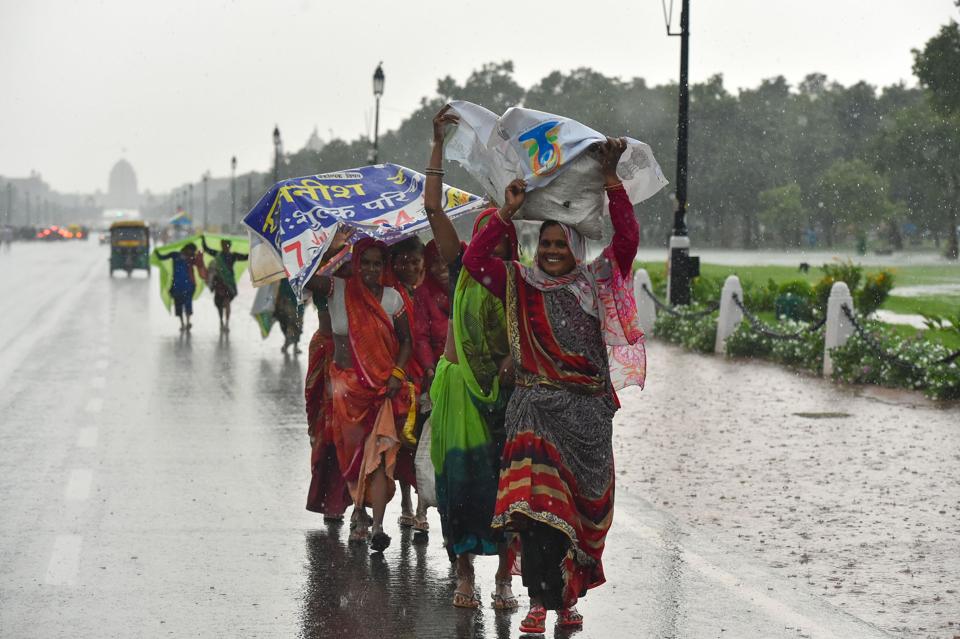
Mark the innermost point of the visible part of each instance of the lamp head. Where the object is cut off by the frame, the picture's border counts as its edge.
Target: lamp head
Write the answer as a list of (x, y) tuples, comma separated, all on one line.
[(378, 81)]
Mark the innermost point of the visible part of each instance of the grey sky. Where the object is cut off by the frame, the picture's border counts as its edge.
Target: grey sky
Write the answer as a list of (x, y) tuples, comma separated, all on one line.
[(177, 87)]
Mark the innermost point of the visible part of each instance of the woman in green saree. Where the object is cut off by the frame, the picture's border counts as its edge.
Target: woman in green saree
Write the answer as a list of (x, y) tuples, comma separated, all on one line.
[(469, 402)]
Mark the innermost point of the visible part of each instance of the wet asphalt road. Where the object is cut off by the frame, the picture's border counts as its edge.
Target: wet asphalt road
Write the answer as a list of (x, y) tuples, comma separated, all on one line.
[(153, 485)]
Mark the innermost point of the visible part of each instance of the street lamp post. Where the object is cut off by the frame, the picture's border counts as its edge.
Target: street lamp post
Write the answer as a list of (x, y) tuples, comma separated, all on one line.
[(9, 204), (206, 181), (682, 267), (276, 154), (190, 199), (233, 192), (378, 81)]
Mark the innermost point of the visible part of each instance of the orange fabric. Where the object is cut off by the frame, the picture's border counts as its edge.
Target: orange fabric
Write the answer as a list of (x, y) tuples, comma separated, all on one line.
[(364, 428), (373, 339)]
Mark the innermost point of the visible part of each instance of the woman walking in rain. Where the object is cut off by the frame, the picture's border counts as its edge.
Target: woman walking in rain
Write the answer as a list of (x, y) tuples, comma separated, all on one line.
[(556, 478), (222, 279), (289, 314), (328, 493), (405, 275), (468, 398), (184, 282), (370, 389)]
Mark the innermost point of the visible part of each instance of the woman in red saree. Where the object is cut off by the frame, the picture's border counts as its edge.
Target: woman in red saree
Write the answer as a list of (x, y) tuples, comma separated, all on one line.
[(575, 341), (328, 491), (371, 393), (405, 275)]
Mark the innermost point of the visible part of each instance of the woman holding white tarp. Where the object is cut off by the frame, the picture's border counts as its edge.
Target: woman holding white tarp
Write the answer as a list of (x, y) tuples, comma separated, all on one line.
[(469, 394), (574, 339)]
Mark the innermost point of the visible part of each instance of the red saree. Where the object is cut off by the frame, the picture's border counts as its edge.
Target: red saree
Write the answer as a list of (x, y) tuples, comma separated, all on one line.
[(364, 419), (328, 490)]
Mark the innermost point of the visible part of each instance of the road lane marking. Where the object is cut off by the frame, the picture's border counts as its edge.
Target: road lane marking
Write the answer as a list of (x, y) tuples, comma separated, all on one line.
[(98, 382), (94, 405), (87, 437), (78, 484), (64, 560)]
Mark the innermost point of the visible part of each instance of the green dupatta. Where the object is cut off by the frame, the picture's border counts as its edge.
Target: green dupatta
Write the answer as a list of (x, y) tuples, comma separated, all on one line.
[(480, 334)]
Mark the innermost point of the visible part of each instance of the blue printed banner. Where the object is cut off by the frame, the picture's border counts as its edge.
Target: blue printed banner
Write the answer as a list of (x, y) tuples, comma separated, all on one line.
[(297, 218)]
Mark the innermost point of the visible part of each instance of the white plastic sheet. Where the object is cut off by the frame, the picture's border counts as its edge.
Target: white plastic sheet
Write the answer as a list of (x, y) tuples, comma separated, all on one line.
[(426, 475), (549, 152)]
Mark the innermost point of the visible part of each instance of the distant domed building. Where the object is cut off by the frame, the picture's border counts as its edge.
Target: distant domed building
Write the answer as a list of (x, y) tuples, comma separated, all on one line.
[(314, 143), (122, 192)]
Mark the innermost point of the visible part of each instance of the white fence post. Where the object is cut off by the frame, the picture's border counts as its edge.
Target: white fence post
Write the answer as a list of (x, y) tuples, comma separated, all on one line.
[(730, 313), (646, 310), (838, 328)]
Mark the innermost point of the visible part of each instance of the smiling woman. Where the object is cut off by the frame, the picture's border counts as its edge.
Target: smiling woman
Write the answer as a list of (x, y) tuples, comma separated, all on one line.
[(572, 332)]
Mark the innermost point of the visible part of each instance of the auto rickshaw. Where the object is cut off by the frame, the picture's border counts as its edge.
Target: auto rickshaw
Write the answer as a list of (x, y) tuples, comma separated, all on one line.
[(129, 246)]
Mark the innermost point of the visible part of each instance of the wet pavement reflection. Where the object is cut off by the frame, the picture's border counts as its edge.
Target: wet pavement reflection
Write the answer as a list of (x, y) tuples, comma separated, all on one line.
[(154, 485)]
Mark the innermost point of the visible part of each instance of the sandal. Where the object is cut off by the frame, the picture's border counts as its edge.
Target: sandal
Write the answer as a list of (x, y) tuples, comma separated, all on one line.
[(535, 621), (405, 521), (464, 600), (504, 603), (358, 534), (569, 618), (380, 541), (420, 524)]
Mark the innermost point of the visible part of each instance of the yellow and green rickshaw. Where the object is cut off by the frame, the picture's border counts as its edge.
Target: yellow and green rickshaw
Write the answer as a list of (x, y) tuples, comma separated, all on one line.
[(129, 246)]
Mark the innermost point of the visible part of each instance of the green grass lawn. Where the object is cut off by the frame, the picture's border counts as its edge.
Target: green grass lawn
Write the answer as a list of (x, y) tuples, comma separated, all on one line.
[(939, 305), (903, 276)]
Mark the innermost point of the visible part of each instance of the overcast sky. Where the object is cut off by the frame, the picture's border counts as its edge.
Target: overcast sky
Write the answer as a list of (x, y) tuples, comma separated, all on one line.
[(177, 87)]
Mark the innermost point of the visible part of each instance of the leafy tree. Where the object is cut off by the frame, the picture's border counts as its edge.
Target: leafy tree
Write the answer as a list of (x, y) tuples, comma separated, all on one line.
[(853, 197), (782, 213), (937, 67)]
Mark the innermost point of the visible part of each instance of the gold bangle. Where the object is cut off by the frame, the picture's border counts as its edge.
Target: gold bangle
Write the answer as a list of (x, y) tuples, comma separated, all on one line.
[(612, 187)]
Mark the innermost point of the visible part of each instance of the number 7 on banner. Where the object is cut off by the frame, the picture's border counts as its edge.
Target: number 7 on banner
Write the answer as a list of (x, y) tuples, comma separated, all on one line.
[(295, 246)]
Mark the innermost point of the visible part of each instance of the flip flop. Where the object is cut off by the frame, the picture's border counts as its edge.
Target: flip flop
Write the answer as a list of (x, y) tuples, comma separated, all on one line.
[(569, 618), (464, 600), (535, 621)]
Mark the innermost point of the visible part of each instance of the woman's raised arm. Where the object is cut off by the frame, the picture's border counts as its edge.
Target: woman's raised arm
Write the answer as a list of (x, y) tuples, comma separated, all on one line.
[(448, 243)]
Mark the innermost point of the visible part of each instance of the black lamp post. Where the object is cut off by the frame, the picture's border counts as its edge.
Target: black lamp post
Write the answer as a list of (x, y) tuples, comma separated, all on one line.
[(233, 192), (276, 154), (683, 268), (378, 80), (206, 181)]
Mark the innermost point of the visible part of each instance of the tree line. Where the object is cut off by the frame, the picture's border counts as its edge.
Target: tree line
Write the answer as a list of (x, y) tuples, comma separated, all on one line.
[(816, 164)]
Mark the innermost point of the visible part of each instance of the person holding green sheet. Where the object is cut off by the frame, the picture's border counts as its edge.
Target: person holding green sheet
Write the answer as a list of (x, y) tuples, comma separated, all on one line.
[(469, 401), (222, 279), (183, 282)]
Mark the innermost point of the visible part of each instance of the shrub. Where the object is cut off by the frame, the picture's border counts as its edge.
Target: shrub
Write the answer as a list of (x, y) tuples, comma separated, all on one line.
[(847, 272), (913, 368), (744, 342), (705, 289), (760, 297), (876, 289), (697, 334), (805, 353)]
